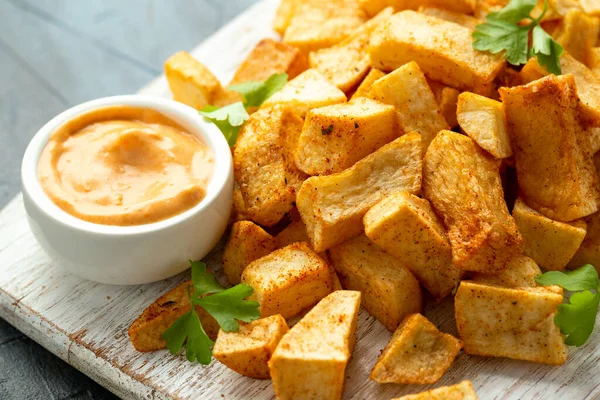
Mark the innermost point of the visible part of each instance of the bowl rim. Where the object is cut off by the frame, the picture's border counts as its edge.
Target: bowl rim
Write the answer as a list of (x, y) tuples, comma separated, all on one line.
[(180, 113)]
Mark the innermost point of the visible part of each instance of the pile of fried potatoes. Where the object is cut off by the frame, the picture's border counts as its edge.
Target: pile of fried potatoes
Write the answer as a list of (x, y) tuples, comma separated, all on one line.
[(396, 161)]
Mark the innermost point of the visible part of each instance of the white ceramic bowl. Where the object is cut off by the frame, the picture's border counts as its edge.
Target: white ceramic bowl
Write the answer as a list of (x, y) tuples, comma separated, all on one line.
[(127, 255)]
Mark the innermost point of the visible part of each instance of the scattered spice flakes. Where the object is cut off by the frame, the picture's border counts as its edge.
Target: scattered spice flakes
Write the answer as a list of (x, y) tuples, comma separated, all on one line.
[(327, 131), (356, 125)]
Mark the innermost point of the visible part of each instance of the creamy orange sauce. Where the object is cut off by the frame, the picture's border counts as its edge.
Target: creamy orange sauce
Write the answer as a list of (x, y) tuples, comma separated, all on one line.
[(124, 165)]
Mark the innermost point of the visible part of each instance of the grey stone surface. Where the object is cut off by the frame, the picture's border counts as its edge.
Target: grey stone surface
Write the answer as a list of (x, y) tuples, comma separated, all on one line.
[(55, 54)]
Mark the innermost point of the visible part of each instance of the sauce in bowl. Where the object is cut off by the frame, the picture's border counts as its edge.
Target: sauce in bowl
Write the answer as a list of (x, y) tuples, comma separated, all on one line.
[(124, 165)]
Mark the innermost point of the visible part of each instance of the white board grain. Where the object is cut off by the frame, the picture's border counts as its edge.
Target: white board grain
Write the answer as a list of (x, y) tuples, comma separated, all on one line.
[(86, 323)]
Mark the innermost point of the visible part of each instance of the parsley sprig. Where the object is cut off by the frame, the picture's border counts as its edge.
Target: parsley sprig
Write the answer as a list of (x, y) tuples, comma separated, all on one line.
[(502, 31), (576, 319), (229, 119), (227, 306)]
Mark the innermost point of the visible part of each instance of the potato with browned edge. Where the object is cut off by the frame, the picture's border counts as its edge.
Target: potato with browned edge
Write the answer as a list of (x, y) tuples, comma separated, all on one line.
[(519, 272), (460, 391)]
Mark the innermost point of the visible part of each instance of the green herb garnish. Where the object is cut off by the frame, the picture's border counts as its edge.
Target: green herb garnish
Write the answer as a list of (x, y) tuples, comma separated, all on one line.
[(577, 318), (502, 32), (327, 131), (227, 306), (256, 93)]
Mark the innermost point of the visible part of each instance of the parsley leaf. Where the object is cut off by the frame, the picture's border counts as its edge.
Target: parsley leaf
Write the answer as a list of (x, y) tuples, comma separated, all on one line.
[(204, 282), (503, 31), (577, 318), (228, 119), (256, 93), (229, 305)]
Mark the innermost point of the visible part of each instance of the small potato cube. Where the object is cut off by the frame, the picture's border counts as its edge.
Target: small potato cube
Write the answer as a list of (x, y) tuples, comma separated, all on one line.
[(317, 24), (443, 50), (249, 350), (468, 21), (365, 86), (578, 33), (347, 63), (270, 57), (552, 244), (333, 206), (190, 81), (267, 178), (389, 291), (513, 323), (310, 361), (418, 353), (293, 233), (406, 227), (307, 91), (247, 242), (336, 137), (519, 272), (554, 165), (591, 7), (406, 88), (482, 119), (146, 331), (463, 184), (284, 15), (461, 391), (589, 251), (288, 280)]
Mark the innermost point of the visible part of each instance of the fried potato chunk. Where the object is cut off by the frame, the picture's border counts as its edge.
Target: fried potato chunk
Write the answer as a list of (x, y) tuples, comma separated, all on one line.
[(588, 84), (307, 91), (552, 151), (348, 62), (407, 227), (317, 24), (461, 391), (267, 178), (288, 280), (249, 350), (365, 86), (372, 7), (333, 206), (146, 331), (589, 251), (578, 33), (293, 233), (512, 323), (247, 242), (336, 137), (239, 212), (418, 353), (310, 361), (407, 89), (468, 21), (482, 119), (443, 50), (190, 81), (552, 244), (463, 184), (270, 57), (283, 15), (389, 290), (519, 272)]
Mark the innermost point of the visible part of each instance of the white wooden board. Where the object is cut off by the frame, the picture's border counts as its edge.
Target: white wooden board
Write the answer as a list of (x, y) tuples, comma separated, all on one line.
[(86, 323)]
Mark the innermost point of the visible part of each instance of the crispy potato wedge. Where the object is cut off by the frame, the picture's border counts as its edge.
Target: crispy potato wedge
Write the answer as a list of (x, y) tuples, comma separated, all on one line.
[(552, 244), (239, 212), (407, 227), (146, 331), (468, 21), (443, 50), (389, 290), (578, 34), (247, 242), (332, 207), (288, 280), (249, 350), (284, 15), (482, 119), (267, 179), (293, 233), (307, 91), (518, 323), (461, 391), (589, 251), (190, 81), (418, 353), (519, 272), (588, 85), (407, 89), (365, 86), (552, 151), (317, 24), (270, 57), (310, 361), (336, 137), (463, 184)]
